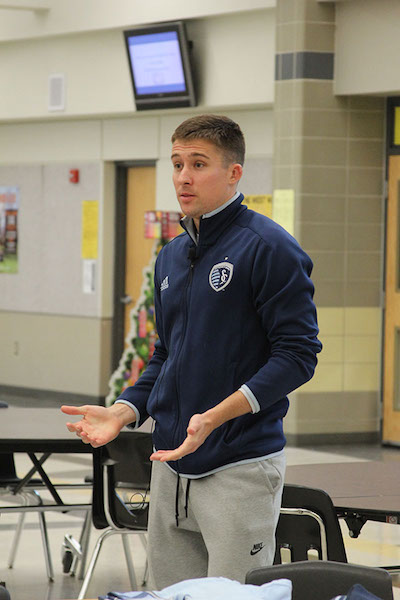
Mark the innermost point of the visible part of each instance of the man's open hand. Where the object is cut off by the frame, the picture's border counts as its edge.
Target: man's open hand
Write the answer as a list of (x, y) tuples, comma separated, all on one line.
[(99, 425), (198, 430), (201, 425)]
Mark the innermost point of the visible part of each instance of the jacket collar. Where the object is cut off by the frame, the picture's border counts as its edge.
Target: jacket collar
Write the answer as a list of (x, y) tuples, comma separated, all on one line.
[(213, 226)]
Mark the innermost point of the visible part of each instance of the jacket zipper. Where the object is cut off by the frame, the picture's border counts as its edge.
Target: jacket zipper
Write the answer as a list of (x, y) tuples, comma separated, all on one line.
[(187, 288)]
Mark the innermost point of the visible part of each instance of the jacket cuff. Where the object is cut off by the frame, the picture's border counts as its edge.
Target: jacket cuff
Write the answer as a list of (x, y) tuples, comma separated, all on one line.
[(134, 425), (250, 397)]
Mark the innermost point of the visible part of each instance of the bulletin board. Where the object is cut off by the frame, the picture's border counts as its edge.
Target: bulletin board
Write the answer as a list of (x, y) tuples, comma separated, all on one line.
[(50, 270)]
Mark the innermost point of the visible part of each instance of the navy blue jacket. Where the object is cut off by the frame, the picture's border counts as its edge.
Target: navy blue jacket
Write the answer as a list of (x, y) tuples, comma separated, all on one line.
[(235, 310)]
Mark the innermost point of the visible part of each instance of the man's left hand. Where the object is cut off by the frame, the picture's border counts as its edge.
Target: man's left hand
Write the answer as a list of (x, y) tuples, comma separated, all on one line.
[(198, 430), (201, 425)]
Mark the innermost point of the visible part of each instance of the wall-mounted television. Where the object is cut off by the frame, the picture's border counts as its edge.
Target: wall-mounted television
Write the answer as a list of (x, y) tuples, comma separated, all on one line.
[(160, 66)]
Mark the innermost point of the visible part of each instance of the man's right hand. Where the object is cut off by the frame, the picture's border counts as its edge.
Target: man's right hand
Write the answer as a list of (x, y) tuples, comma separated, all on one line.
[(99, 425)]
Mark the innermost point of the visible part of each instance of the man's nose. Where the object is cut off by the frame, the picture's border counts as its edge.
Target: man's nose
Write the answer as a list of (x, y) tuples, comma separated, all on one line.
[(185, 175)]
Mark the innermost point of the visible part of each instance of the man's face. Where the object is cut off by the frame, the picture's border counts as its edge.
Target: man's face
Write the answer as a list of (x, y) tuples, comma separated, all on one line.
[(202, 180)]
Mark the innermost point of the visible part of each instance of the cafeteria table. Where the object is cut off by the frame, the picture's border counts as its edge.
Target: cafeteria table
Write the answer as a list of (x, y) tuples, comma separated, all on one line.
[(361, 491), (39, 433)]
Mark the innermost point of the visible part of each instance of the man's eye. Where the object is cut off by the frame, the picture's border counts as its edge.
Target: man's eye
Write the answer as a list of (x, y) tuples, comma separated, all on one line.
[(199, 165), (177, 166)]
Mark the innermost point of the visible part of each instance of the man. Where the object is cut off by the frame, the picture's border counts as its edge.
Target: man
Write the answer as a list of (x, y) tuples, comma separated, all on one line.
[(237, 333)]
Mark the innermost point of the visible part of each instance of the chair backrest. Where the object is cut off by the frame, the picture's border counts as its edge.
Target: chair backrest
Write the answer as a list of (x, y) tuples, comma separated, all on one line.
[(300, 534), (331, 579), (125, 462)]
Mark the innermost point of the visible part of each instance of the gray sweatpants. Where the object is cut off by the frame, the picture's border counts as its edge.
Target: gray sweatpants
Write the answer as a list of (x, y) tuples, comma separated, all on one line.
[(230, 523)]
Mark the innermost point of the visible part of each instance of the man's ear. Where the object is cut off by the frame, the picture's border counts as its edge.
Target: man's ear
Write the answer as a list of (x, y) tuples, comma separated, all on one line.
[(236, 172)]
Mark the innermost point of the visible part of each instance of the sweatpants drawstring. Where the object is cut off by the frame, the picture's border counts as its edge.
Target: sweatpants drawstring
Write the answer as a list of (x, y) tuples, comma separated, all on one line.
[(177, 499), (187, 497)]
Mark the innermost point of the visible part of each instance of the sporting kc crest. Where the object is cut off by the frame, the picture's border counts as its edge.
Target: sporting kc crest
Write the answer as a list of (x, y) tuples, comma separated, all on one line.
[(220, 276)]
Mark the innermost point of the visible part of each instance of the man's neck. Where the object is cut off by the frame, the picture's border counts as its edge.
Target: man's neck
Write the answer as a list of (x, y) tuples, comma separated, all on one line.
[(221, 206), (196, 220)]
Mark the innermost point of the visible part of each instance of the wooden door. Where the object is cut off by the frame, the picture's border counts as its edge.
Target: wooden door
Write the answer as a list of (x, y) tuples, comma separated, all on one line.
[(391, 358), (140, 197)]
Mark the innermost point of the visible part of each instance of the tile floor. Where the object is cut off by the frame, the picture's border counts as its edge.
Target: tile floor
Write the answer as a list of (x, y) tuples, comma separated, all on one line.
[(378, 544)]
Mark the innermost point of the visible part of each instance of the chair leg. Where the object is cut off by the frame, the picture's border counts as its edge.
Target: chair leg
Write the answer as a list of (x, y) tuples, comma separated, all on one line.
[(18, 531), (89, 573), (46, 547), (146, 572), (85, 539), (25, 497), (93, 561), (128, 557), (143, 539), (15, 542), (43, 530), (84, 546)]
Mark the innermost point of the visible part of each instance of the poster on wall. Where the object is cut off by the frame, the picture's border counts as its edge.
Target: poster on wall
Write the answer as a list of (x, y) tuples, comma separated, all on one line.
[(9, 205), (162, 225), (283, 209), (261, 203), (89, 244)]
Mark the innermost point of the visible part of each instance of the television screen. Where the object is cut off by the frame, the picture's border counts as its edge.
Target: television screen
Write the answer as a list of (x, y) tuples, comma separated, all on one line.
[(160, 66)]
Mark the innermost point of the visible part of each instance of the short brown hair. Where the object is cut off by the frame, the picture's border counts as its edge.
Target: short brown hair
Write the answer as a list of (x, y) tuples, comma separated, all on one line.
[(221, 131)]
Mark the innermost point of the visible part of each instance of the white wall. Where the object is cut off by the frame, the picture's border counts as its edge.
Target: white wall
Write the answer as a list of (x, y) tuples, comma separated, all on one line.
[(69, 16), (134, 138), (367, 47), (55, 352), (37, 142), (233, 56)]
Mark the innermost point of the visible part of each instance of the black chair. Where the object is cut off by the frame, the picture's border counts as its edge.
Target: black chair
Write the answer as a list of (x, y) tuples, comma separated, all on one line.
[(308, 527), (325, 579), (121, 482)]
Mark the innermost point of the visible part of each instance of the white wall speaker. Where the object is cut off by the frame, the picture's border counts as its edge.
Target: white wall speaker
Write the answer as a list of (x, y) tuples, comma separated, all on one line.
[(56, 92)]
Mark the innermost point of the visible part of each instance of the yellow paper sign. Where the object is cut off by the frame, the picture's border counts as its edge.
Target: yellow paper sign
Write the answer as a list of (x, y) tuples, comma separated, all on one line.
[(261, 204), (283, 209), (396, 135), (90, 229)]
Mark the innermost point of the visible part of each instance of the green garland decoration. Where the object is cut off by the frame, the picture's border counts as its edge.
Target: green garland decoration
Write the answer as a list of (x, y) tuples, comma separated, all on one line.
[(142, 336)]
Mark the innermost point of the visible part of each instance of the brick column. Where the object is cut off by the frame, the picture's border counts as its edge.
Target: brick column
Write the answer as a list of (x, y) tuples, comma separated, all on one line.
[(330, 151)]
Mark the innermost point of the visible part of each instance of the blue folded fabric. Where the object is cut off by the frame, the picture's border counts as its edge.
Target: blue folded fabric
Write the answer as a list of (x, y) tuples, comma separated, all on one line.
[(358, 592), (217, 588)]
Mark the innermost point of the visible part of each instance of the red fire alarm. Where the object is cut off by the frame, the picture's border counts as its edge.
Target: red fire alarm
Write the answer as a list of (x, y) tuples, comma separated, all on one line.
[(74, 176)]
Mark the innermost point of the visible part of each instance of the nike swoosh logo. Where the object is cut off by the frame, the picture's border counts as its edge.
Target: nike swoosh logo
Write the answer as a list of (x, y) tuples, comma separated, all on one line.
[(253, 552)]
